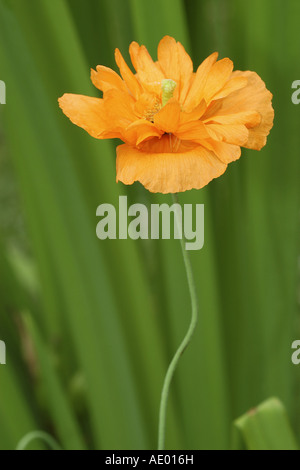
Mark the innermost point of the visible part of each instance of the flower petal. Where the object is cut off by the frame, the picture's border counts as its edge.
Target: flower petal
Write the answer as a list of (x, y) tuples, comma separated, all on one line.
[(168, 58), (148, 72), (139, 131), (130, 79), (236, 134), (248, 118), (176, 65), (195, 130), (119, 108), (86, 112), (168, 172), (197, 113), (253, 98), (167, 119), (195, 93), (217, 77), (227, 153), (233, 84), (105, 79), (134, 52)]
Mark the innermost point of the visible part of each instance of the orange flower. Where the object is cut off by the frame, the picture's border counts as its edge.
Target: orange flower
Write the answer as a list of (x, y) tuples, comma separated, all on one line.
[(181, 128)]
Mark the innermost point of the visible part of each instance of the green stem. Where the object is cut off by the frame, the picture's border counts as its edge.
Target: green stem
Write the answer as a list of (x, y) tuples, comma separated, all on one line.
[(186, 340), (43, 436)]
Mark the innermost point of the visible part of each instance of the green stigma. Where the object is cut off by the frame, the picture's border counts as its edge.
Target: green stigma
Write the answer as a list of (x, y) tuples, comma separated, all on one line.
[(168, 86)]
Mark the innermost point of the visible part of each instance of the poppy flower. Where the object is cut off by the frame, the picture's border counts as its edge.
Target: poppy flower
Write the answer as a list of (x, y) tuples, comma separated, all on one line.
[(180, 128)]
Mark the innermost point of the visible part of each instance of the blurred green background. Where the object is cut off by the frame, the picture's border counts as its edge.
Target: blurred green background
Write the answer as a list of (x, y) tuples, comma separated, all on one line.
[(90, 326)]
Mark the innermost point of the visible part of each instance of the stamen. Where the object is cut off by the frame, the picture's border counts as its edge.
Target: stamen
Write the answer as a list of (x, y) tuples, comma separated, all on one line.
[(174, 143), (170, 142), (149, 114)]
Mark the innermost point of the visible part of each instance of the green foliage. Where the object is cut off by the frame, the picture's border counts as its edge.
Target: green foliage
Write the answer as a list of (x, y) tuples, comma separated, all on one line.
[(91, 326), (264, 427)]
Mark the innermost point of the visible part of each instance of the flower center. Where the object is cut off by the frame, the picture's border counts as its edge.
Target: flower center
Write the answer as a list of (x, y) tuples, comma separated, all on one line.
[(168, 86)]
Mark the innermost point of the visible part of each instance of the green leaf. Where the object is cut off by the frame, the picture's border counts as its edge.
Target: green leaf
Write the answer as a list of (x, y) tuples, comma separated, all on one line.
[(264, 428), (57, 401)]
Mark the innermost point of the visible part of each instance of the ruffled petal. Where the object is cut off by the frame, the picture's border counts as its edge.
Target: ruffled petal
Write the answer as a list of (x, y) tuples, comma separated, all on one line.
[(119, 108), (248, 118), (253, 98), (167, 55), (195, 131), (168, 172), (227, 153), (86, 112), (217, 77), (176, 65), (195, 94), (233, 84), (167, 119), (139, 131), (105, 79), (149, 73), (236, 134), (197, 113), (130, 79)]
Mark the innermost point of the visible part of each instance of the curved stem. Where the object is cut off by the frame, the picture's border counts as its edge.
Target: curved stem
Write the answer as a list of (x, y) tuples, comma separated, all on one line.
[(186, 340), (43, 436)]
